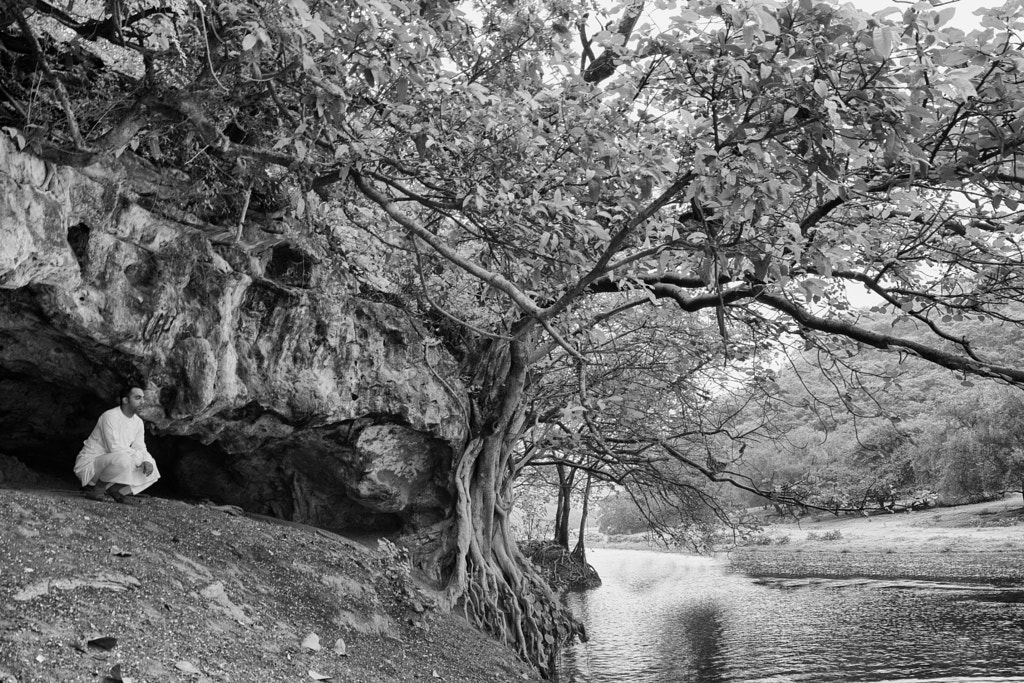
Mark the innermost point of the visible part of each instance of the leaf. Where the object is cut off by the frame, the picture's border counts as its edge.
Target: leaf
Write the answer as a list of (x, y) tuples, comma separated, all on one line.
[(311, 642), (768, 22), (154, 147), (102, 643), (402, 89), (943, 16), (300, 8), (318, 29), (882, 42), (249, 42), (340, 648)]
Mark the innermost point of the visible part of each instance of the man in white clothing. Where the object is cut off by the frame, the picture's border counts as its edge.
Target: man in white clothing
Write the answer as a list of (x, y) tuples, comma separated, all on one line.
[(114, 461)]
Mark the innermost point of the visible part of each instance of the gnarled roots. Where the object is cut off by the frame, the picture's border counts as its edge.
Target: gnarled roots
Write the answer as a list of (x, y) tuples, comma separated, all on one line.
[(522, 612)]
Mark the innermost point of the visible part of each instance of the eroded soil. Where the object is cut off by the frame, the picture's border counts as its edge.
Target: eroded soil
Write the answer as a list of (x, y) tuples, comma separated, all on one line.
[(169, 591)]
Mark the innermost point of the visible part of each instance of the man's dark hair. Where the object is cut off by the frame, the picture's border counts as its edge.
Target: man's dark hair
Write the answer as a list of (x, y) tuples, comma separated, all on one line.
[(126, 391)]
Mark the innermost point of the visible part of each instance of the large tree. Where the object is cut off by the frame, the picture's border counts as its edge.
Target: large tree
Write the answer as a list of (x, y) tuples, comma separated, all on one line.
[(533, 169)]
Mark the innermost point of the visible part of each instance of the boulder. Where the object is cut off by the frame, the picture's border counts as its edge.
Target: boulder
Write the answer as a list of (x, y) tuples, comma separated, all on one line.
[(271, 382)]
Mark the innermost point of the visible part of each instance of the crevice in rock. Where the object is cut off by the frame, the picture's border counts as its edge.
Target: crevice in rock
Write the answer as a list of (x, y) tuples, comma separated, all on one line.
[(78, 240), (290, 267)]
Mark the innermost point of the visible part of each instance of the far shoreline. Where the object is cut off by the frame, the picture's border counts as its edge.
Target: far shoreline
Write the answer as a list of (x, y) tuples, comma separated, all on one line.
[(980, 544), (1002, 569)]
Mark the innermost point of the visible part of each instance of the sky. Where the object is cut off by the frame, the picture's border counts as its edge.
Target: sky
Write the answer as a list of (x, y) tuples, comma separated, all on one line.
[(964, 18)]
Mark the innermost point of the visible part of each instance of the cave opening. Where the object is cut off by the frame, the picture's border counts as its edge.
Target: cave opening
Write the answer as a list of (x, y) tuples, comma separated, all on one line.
[(43, 426)]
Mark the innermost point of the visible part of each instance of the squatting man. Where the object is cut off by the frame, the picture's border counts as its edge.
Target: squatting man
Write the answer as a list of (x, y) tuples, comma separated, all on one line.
[(114, 461)]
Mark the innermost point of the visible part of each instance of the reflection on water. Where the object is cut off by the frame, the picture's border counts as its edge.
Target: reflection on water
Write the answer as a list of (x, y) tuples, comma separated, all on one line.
[(664, 618)]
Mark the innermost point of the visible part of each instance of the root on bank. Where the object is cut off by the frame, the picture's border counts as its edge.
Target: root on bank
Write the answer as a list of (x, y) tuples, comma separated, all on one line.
[(563, 570)]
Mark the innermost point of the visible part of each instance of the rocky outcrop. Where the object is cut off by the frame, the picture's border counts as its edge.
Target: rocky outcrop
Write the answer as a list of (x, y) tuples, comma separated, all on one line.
[(271, 383)]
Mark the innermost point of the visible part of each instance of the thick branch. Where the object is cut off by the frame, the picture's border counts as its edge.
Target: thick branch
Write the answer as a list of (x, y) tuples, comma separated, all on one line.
[(604, 66), (877, 340), (495, 280)]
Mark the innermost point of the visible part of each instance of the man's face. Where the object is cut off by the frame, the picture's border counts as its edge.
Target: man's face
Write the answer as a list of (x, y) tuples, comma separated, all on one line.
[(135, 400)]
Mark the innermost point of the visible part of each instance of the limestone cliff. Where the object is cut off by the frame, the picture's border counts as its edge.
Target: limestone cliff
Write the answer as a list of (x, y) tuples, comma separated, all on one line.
[(272, 383)]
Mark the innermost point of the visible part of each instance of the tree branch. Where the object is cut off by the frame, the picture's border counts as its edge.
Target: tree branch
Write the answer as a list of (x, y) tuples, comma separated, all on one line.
[(496, 280), (58, 85), (604, 66), (877, 340)]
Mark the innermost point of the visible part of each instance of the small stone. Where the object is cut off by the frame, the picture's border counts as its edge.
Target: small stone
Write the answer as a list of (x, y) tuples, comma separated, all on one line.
[(187, 667)]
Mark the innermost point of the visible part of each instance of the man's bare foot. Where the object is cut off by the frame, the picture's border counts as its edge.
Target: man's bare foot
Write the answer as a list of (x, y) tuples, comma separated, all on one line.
[(96, 493), (120, 497)]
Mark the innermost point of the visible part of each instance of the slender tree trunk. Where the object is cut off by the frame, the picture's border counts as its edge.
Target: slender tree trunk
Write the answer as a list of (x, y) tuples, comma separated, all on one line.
[(580, 551), (566, 478)]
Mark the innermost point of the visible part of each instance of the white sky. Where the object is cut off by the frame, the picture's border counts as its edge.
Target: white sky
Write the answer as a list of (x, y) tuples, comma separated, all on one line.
[(964, 18)]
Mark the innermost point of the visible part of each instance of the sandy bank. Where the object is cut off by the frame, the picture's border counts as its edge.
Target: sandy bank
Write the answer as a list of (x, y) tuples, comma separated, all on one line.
[(972, 543)]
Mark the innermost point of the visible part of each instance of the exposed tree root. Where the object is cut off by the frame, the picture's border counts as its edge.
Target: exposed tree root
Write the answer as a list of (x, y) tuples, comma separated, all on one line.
[(525, 615), (563, 570)]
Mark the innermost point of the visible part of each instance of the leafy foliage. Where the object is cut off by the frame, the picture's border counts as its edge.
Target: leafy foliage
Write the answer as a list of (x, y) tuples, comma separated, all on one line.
[(885, 435)]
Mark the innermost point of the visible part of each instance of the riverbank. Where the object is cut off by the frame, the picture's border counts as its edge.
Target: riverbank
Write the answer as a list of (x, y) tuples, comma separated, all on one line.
[(981, 543), (169, 592)]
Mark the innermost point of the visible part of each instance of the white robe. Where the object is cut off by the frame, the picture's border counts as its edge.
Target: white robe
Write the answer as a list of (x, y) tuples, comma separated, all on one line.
[(115, 451)]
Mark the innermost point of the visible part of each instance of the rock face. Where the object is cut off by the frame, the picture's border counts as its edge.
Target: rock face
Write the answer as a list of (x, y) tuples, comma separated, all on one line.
[(270, 382)]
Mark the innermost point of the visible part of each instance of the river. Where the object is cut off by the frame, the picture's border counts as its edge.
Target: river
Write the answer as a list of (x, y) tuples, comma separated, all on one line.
[(668, 618)]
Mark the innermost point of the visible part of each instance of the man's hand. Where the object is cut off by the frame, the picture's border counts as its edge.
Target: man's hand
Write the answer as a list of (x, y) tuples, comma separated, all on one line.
[(147, 467)]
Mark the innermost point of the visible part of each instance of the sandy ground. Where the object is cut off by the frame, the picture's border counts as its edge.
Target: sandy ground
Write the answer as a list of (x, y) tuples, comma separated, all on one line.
[(979, 543), (984, 527)]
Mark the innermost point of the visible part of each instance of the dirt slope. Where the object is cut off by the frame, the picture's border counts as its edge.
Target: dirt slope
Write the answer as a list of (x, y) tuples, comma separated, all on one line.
[(174, 592)]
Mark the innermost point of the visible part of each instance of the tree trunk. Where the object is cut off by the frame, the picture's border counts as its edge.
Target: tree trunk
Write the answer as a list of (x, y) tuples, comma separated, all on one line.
[(499, 590), (564, 506), (580, 551)]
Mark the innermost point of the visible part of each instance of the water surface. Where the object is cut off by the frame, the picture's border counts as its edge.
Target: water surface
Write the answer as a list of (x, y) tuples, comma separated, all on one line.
[(668, 618)]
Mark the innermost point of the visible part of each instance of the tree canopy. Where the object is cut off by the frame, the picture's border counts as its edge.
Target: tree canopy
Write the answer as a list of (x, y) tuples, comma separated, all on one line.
[(533, 173)]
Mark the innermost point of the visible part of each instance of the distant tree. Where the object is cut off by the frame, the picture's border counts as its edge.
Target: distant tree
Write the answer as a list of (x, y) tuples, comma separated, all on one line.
[(619, 515), (1014, 465)]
